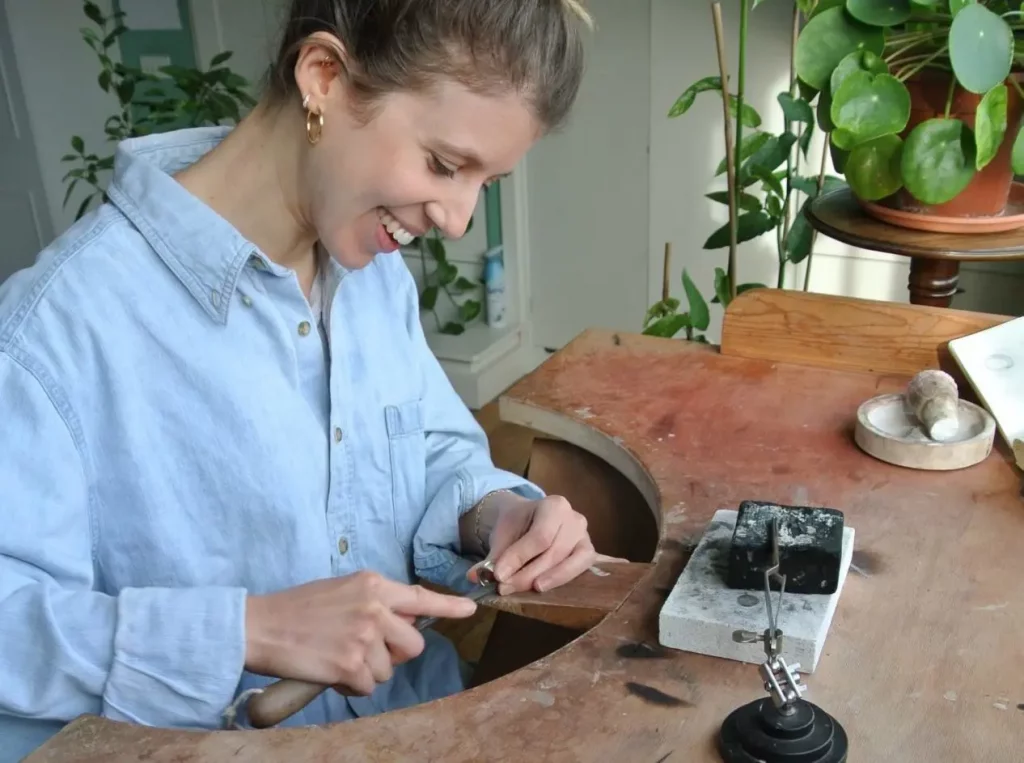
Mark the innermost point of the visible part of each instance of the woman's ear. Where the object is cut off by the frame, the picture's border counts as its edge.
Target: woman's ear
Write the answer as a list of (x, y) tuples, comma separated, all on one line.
[(317, 67)]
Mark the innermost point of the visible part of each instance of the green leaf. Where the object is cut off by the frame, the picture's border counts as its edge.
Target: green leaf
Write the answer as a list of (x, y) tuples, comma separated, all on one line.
[(125, 91), (469, 310), (801, 236), (67, 193), (93, 12), (748, 226), (980, 48), (796, 109), (938, 160), (748, 146), (452, 328), (446, 273), (774, 207), (436, 247), (873, 169), (428, 299), (220, 58), (668, 326), (699, 316), (868, 106), (748, 286), (839, 155), (749, 118), (688, 96), (858, 61), (1017, 158), (78, 144), (809, 185), (881, 13), (722, 290), (990, 124), (767, 177), (661, 309), (745, 201), (463, 284), (827, 39), (955, 6), (769, 157), (824, 110)]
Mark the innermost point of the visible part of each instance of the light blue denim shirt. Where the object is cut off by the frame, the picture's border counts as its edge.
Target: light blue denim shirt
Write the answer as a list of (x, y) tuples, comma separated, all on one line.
[(176, 434)]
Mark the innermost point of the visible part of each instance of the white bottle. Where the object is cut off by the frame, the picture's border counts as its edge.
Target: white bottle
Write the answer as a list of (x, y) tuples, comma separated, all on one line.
[(494, 284)]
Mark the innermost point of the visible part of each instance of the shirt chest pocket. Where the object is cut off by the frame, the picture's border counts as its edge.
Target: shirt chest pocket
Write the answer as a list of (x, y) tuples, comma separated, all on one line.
[(407, 448)]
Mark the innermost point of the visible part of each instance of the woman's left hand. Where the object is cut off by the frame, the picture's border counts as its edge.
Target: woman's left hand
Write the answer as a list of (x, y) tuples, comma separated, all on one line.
[(539, 545)]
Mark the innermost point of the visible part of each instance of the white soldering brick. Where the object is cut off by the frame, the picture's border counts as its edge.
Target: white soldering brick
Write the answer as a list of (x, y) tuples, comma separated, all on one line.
[(702, 612)]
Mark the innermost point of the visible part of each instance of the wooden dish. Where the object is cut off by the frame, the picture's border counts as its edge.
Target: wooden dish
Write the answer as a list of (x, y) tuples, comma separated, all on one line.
[(1011, 219), (888, 430)]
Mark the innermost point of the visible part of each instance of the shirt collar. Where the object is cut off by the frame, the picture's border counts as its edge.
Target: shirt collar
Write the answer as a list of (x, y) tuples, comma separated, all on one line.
[(202, 249)]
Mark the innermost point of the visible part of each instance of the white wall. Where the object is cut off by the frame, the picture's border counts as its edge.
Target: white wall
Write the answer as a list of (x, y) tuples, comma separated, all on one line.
[(588, 189)]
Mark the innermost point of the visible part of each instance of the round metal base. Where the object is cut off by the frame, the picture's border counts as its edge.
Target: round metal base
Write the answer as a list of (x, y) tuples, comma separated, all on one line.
[(758, 733)]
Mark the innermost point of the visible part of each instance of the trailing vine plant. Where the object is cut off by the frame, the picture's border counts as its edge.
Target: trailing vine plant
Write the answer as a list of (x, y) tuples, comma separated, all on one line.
[(445, 279)]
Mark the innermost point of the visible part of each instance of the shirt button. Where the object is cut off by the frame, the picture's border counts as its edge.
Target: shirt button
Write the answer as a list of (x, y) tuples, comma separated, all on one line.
[(247, 300), (214, 298), (342, 546), (337, 434), (304, 328)]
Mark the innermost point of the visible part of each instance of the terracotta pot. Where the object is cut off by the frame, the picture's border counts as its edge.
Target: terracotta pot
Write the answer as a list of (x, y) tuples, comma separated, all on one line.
[(987, 193)]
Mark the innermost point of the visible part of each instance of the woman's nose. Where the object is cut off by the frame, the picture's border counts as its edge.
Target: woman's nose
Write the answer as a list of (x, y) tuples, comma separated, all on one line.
[(452, 217)]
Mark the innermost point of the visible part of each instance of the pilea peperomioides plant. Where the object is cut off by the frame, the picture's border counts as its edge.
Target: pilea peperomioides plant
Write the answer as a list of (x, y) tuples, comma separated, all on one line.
[(920, 97)]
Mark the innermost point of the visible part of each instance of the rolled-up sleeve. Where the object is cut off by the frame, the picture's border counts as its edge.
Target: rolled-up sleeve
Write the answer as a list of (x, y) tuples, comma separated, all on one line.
[(155, 656), (459, 469)]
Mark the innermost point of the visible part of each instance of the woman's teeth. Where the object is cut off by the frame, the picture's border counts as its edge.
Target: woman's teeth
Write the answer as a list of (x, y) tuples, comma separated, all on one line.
[(398, 233)]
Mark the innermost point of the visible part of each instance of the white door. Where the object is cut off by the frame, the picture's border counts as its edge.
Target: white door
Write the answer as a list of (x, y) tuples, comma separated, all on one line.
[(25, 225)]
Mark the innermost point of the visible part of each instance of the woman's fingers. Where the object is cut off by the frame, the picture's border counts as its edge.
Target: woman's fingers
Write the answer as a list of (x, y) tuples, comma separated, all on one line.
[(579, 561), (550, 514)]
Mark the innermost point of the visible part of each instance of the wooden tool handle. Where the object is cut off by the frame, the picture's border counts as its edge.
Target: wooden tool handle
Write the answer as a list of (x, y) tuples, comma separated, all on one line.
[(281, 700)]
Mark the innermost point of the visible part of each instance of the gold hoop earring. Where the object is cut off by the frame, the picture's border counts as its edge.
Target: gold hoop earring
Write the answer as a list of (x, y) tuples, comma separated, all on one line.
[(314, 127)]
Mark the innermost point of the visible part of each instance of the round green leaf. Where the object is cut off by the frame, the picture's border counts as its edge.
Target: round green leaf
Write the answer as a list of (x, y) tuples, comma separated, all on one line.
[(879, 12), (938, 160), (990, 124), (824, 110), (827, 39), (868, 106), (873, 168), (839, 155), (980, 48), (859, 60)]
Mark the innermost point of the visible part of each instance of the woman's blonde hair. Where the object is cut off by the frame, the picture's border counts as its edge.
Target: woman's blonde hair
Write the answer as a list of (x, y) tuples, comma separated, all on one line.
[(533, 47)]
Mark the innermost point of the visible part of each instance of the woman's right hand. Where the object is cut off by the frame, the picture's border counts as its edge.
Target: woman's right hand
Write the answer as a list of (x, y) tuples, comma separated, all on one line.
[(347, 632)]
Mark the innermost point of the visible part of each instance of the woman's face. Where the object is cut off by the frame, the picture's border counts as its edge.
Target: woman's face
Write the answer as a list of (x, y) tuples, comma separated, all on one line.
[(420, 162)]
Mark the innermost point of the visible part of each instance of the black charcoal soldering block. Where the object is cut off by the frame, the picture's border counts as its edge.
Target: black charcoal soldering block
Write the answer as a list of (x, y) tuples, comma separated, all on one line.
[(810, 547)]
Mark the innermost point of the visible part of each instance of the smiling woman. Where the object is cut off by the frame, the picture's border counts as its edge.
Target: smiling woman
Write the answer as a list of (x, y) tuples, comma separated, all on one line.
[(228, 454)]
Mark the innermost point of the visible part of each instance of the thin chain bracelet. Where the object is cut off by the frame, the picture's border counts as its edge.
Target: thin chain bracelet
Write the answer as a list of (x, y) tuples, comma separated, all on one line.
[(476, 524)]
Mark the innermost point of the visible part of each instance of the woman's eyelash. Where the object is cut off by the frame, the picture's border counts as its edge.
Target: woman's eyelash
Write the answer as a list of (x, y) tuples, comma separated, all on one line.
[(441, 168)]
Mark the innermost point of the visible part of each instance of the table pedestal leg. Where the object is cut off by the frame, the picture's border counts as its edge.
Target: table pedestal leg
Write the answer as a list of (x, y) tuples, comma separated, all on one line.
[(933, 282)]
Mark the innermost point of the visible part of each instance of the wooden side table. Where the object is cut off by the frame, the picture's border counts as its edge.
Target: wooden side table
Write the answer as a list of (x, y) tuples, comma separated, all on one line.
[(934, 257)]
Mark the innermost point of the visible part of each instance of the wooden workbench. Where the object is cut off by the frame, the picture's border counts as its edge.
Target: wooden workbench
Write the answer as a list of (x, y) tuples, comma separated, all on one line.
[(923, 659)]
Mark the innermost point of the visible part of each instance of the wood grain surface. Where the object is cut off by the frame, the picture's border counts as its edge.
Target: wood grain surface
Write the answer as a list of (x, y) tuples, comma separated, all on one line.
[(922, 662), (838, 215), (846, 334)]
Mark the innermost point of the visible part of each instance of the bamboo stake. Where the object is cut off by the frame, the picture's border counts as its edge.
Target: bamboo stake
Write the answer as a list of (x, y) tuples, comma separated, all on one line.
[(730, 155), (666, 265)]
